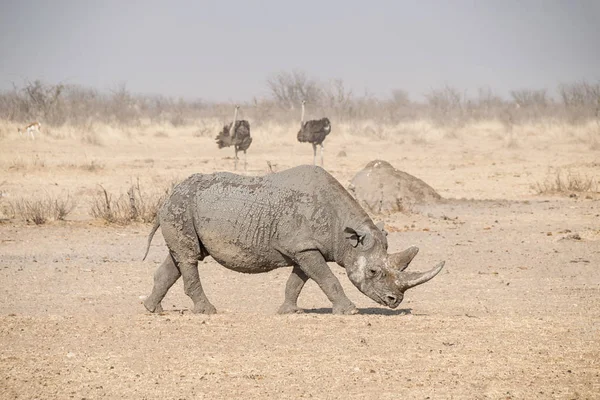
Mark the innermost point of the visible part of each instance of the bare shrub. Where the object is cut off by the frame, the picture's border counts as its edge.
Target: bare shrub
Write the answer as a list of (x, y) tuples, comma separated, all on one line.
[(337, 98), (37, 100), (123, 106), (530, 104), (487, 105), (62, 207), (530, 97), (447, 107), (569, 183), (103, 207), (581, 100), (136, 205), (290, 88), (40, 211)]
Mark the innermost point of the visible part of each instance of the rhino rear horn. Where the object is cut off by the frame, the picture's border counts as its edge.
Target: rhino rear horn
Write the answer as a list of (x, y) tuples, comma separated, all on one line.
[(400, 260), (411, 279)]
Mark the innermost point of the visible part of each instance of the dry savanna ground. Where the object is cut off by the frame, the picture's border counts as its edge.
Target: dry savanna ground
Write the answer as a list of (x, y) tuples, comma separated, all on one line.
[(514, 314)]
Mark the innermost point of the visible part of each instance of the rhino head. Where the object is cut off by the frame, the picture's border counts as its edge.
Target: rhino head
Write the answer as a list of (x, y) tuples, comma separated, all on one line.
[(377, 274)]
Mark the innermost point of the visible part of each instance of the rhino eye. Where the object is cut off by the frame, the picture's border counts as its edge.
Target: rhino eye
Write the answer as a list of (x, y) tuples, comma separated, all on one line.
[(373, 272)]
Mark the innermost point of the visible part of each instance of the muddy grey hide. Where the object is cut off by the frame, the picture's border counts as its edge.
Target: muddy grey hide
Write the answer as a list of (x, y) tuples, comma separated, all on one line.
[(301, 217)]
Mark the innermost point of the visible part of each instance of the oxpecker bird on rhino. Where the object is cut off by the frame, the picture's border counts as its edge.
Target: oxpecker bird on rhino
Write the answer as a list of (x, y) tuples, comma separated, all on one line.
[(301, 217)]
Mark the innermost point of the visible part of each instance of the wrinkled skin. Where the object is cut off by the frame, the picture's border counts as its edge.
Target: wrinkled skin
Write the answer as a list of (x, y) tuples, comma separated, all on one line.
[(301, 217)]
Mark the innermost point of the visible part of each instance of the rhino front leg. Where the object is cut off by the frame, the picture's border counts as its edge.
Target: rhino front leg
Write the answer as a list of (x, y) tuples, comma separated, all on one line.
[(193, 288), (315, 267), (164, 277), (293, 288)]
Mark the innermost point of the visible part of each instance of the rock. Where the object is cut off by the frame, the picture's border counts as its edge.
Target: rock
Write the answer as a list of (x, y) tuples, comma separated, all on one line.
[(380, 188), (342, 154)]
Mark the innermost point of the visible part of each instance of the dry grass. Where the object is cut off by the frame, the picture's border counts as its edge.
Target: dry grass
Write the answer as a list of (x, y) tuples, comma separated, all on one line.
[(20, 164), (567, 183), (89, 166), (418, 131), (136, 205), (41, 210)]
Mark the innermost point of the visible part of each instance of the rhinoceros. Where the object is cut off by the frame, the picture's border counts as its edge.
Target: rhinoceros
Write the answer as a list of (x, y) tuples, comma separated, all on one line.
[(301, 217)]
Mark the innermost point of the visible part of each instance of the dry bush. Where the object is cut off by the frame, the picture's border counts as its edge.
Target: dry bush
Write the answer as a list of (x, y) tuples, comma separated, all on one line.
[(289, 89), (40, 211), (447, 107), (564, 184), (136, 205), (581, 101)]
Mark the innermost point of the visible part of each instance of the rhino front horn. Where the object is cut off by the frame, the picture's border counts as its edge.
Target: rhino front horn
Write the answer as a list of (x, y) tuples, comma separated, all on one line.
[(400, 260), (412, 279)]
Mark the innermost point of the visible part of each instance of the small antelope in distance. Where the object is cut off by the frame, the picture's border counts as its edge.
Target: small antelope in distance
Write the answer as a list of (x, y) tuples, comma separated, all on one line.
[(237, 134), (30, 129), (314, 132)]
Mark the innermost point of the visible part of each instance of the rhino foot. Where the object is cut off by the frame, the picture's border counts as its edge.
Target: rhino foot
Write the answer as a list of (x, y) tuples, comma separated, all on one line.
[(345, 309), (204, 308), (153, 308), (289, 309)]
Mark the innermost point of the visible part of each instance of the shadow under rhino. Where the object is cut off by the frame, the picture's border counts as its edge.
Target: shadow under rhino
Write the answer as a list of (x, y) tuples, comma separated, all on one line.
[(365, 311)]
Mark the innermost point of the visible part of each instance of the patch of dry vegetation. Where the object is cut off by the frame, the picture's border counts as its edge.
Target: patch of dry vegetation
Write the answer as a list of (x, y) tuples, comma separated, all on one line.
[(41, 210), (89, 166), (20, 164), (136, 205), (566, 184), (447, 112)]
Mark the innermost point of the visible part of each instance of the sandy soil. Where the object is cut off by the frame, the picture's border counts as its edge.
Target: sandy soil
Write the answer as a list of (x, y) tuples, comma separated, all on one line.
[(515, 313)]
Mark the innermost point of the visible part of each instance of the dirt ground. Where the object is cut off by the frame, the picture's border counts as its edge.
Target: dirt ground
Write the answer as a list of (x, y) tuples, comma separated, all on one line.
[(514, 315)]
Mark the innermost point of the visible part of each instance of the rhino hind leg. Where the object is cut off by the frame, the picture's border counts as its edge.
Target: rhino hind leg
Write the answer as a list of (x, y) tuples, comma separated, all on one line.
[(164, 277), (193, 288), (293, 288), (315, 267)]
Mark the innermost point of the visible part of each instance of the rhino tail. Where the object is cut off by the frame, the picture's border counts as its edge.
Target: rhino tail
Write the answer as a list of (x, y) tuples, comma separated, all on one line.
[(152, 232)]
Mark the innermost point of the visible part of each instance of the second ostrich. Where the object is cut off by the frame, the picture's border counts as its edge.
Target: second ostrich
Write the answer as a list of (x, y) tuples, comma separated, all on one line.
[(240, 139), (314, 132)]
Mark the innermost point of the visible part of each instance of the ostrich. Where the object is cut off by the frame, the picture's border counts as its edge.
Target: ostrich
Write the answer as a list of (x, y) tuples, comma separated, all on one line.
[(240, 139), (314, 132)]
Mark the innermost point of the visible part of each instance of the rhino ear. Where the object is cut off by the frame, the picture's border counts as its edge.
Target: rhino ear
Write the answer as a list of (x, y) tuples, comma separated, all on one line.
[(381, 226), (355, 237)]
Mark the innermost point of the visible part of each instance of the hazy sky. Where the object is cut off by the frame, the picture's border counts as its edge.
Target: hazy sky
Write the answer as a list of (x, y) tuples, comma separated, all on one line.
[(225, 50)]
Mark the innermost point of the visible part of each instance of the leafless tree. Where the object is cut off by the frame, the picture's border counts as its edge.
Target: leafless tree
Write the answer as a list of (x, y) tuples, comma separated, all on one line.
[(289, 89)]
